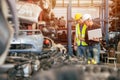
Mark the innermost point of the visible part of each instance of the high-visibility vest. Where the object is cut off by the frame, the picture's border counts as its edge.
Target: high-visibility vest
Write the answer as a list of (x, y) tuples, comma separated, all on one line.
[(81, 34)]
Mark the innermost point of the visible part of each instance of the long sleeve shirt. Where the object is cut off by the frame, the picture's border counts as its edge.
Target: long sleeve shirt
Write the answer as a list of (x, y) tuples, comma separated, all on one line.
[(91, 42)]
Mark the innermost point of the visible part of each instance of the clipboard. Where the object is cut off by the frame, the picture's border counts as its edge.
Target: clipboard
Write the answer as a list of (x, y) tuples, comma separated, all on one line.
[(95, 33)]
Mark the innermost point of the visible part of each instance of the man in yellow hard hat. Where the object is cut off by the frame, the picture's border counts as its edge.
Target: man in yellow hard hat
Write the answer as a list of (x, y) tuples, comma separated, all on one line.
[(77, 19), (79, 39), (78, 16)]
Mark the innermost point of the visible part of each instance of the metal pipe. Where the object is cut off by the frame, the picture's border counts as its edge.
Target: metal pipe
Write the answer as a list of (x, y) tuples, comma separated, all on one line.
[(69, 30), (107, 21), (12, 5), (102, 16)]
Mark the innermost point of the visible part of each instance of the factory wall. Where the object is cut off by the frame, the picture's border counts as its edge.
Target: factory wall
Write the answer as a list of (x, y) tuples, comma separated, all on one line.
[(62, 11)]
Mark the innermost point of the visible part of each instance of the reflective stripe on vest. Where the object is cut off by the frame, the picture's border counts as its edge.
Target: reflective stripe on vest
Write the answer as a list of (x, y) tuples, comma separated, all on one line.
[(80, 33)]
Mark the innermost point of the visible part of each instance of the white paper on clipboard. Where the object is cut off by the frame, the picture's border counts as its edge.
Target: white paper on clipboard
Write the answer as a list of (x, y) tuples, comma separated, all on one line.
[(96, 33)]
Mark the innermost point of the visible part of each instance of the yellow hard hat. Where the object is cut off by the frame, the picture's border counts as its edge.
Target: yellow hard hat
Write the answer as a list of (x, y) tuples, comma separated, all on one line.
[(78, 16)]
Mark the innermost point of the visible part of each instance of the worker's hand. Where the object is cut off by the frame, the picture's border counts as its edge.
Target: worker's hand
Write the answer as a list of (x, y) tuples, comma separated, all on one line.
[(81, 39), (75, 47), (96, 39)]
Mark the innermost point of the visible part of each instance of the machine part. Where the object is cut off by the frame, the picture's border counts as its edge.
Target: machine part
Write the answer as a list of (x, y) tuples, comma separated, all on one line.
[(51, 43), (28, 12), (27, 44), (79, 72), (27, 70), (49, 32), (36, 65), (45, 2), (47, 13), (23, 69), (14, 17), (46, 42), (6, 31), (55, 46), (61, 48)]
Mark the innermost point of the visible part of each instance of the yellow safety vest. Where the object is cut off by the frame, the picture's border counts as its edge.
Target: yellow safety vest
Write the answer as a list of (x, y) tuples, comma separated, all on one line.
[(80, 33)]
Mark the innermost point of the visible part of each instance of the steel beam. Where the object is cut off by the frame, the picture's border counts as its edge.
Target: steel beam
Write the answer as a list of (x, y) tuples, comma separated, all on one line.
[(69, 30), (107, 21)]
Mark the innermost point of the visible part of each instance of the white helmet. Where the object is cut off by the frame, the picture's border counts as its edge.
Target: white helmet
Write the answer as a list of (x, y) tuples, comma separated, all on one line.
[(86, 17)]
